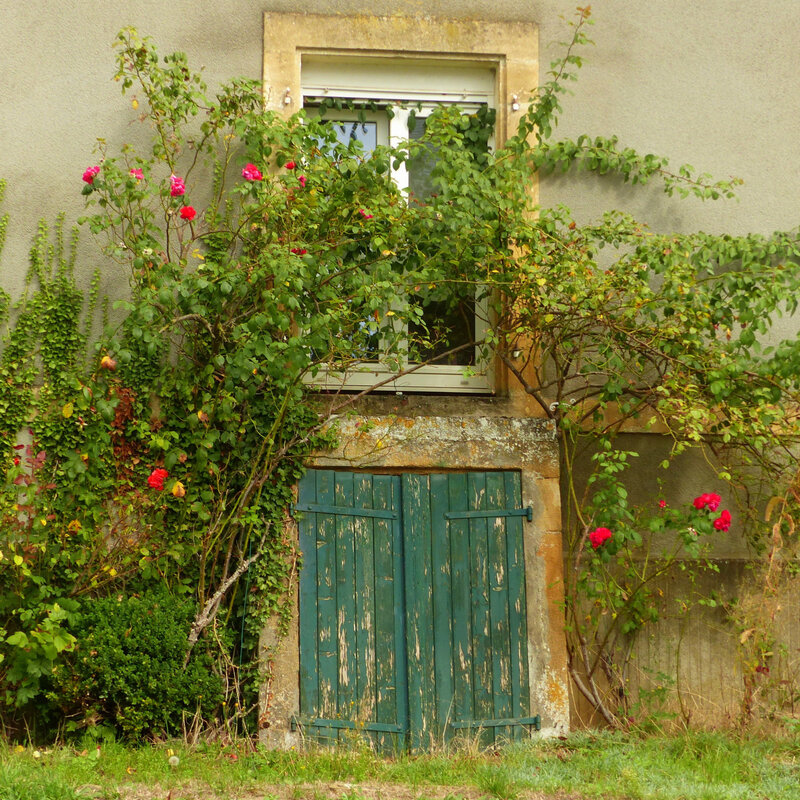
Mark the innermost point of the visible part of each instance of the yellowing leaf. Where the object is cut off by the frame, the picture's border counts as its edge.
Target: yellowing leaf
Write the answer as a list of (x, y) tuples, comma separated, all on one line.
[(66, 412), (18, 560), (135, 103)]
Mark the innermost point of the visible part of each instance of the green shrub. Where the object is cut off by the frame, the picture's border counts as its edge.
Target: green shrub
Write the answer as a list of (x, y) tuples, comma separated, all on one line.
[(127, 671)]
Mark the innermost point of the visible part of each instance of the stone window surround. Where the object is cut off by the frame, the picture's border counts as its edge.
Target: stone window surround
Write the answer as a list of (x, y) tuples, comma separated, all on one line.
[(509, 48)]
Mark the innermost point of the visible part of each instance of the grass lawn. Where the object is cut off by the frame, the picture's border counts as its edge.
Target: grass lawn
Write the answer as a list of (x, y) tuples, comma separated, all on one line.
[(695, 766)]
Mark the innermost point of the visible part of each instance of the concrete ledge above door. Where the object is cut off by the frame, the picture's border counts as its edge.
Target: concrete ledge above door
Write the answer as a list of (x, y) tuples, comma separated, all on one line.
[(442, 442)]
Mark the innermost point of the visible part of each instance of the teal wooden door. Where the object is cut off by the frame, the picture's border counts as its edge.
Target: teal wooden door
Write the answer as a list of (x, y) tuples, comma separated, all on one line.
[(352, 628), (412, 607)]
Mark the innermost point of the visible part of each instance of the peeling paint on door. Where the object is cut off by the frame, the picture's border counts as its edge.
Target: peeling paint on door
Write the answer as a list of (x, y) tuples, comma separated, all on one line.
[(427, 595)]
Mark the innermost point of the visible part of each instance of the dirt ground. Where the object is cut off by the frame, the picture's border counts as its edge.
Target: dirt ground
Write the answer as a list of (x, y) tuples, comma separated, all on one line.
[(310, 791)]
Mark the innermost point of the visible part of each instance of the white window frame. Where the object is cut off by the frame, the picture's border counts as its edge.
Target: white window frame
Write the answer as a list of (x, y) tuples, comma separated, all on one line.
[(405, 86)]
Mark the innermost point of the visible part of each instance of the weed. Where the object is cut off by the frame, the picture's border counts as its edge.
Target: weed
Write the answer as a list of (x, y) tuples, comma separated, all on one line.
[(496, 782)]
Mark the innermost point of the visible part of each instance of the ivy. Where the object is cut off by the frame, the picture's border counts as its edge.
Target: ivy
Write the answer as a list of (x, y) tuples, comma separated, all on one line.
[(263, 255)]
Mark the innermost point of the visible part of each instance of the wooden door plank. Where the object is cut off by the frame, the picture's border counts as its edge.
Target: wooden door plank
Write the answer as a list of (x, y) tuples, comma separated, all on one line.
[(326, 599), (463, 706), (419, 609), (364, 586), (345, 602), (307, 610), (384, 634), (401, 636), (483, 705), (442, 606), (498, 603)]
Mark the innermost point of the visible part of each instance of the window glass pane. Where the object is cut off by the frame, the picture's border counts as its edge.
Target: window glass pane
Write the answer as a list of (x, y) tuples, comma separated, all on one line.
[(420, 167), (348, 131), (446, 326)]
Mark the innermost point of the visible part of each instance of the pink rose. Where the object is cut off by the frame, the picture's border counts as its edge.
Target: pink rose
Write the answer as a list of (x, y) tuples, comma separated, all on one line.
[(662, 503), (598, 536), (302, 181), (176, 186), (88, 175), (723, 521), (138, 174), (188, 213), (251, 173), (364, 214)]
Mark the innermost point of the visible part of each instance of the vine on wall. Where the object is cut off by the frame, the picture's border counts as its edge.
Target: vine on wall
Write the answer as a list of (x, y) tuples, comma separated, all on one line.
[(261, 252)]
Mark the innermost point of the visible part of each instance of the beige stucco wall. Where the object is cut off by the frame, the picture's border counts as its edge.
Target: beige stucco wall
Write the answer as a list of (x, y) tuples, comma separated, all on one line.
[(710, 83)]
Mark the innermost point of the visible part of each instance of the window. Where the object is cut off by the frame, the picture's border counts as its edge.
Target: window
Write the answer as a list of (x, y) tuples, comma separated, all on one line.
[(409, 66), (401, 104)]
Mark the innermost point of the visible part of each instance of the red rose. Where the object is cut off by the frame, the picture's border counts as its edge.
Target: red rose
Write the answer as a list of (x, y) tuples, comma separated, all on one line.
[(90, 172), (710, 500), (157, 478), (290, 165), (188, 213), (598, 536), (723, 521), (700, 502), (299, 251)]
